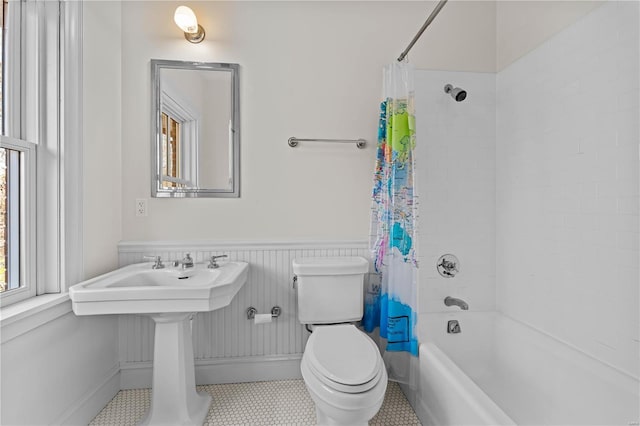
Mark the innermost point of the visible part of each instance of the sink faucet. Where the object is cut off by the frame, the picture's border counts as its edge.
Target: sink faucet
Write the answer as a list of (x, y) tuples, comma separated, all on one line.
[(157, 259), (187, 262), (451, 301), (213, 264)]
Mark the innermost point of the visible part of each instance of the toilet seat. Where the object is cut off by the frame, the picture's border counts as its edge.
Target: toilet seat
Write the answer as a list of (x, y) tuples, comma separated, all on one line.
[(357, 373)]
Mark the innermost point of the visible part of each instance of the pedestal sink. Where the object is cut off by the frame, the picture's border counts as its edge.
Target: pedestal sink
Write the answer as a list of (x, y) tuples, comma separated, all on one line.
[(170, 296)]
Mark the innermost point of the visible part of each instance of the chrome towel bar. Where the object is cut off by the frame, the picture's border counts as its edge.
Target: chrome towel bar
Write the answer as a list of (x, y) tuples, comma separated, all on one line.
[(360, 143)]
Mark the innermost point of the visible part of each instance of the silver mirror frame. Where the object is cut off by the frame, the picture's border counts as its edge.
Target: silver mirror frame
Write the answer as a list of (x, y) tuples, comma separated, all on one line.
[(156, 132)]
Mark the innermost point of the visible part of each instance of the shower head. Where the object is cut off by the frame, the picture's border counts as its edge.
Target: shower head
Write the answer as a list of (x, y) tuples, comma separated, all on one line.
[(456, 93)]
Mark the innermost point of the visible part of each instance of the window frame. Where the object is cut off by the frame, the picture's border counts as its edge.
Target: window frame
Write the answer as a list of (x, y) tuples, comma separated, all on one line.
[(13, 93), (49, 122)]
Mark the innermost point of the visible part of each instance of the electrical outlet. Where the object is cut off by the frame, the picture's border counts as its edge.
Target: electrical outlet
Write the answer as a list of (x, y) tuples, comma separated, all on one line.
[(141, 206)]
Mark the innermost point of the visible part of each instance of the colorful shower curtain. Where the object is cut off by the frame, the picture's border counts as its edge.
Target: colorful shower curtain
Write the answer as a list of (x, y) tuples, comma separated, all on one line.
[(391, 302)]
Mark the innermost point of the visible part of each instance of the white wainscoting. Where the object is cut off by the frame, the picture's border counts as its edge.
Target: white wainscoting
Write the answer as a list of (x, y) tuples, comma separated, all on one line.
[(227, 346)]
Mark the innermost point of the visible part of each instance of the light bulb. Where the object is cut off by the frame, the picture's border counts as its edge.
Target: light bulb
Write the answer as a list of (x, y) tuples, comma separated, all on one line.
[(186, 19)]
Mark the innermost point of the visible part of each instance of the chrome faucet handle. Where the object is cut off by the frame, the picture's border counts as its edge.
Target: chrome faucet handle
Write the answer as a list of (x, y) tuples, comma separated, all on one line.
[(448, 265), (187, 262), (213, 264), (157, 259)]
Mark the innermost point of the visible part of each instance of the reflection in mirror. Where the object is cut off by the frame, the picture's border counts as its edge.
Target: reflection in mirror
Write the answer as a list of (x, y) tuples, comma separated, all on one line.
[(195, 129)]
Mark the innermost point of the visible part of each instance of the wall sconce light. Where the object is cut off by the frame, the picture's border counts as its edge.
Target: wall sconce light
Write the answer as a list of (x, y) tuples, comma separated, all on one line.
[(187, 21)]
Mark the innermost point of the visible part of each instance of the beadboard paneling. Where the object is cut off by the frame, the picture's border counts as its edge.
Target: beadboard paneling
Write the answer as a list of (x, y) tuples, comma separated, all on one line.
[(226, 333)]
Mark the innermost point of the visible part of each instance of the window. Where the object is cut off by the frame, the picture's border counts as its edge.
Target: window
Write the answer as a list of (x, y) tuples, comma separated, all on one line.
[(171, 130), (17, 221), (9, 212), (17, 168), (40, 54), (179, 141)]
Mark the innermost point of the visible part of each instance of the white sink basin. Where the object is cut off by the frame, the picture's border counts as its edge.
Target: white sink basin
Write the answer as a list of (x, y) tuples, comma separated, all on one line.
[(170, 296), (138, 289)]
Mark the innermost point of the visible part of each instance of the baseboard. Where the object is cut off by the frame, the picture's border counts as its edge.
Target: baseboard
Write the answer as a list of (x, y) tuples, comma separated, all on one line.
[(136, 375), (86, 408)]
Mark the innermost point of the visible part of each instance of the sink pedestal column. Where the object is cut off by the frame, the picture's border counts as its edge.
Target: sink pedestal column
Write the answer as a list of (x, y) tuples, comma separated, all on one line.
[(174, 400)]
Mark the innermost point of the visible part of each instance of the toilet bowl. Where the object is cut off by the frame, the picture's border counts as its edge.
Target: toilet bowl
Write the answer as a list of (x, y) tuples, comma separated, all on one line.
[(344, 374)]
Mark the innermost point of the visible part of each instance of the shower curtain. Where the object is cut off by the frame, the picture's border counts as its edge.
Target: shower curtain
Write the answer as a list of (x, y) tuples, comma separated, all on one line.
[(391, 301)]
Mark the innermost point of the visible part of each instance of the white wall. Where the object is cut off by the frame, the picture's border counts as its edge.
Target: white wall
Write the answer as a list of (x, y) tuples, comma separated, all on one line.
[(523, 25), (216, 144), (51, 372), (102, 227), (567, 186), (308, 69), (456, 187)]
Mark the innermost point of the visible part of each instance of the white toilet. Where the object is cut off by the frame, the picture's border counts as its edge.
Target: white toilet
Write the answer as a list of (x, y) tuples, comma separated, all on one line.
[(341, 366)]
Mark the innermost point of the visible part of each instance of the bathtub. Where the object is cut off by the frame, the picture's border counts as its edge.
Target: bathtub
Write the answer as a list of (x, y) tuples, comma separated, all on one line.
[(498, 371)]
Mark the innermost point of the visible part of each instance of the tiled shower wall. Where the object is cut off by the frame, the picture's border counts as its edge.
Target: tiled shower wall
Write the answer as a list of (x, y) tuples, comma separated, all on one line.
[(226, 333), (567, 186), (456, 187)]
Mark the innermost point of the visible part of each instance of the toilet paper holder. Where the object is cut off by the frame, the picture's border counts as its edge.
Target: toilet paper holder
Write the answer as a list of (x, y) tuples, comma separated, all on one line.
[(251, 312)]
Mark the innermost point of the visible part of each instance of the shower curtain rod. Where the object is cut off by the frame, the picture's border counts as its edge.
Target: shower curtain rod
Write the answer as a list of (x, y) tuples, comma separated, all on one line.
[(431, 17)]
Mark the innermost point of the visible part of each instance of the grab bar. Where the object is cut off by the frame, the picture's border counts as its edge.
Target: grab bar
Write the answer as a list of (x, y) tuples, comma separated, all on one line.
[(360, 143)]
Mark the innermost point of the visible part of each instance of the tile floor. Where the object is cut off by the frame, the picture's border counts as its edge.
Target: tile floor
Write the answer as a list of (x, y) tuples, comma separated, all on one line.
[(285, 402)]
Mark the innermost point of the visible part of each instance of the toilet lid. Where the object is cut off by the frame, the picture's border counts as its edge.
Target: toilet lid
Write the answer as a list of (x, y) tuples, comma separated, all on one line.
[(326, 353)]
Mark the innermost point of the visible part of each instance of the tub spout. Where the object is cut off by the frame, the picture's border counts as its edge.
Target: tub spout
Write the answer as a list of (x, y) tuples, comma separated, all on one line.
[(451, 301)]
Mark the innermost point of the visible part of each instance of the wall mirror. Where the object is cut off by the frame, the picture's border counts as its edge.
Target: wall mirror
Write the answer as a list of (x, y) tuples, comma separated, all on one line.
[(195, 128)]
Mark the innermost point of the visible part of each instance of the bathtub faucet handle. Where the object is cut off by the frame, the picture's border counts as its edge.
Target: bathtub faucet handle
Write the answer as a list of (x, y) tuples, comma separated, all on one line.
[(452, 301)]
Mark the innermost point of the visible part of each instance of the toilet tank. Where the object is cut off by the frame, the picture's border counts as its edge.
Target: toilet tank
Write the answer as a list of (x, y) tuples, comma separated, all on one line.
[(330, 289)]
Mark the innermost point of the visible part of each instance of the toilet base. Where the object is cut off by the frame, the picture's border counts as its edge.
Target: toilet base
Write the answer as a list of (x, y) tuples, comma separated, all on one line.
[(324, 420)]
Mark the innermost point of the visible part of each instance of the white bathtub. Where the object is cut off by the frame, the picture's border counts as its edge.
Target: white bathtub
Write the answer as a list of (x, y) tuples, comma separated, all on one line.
[(500, 372)]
